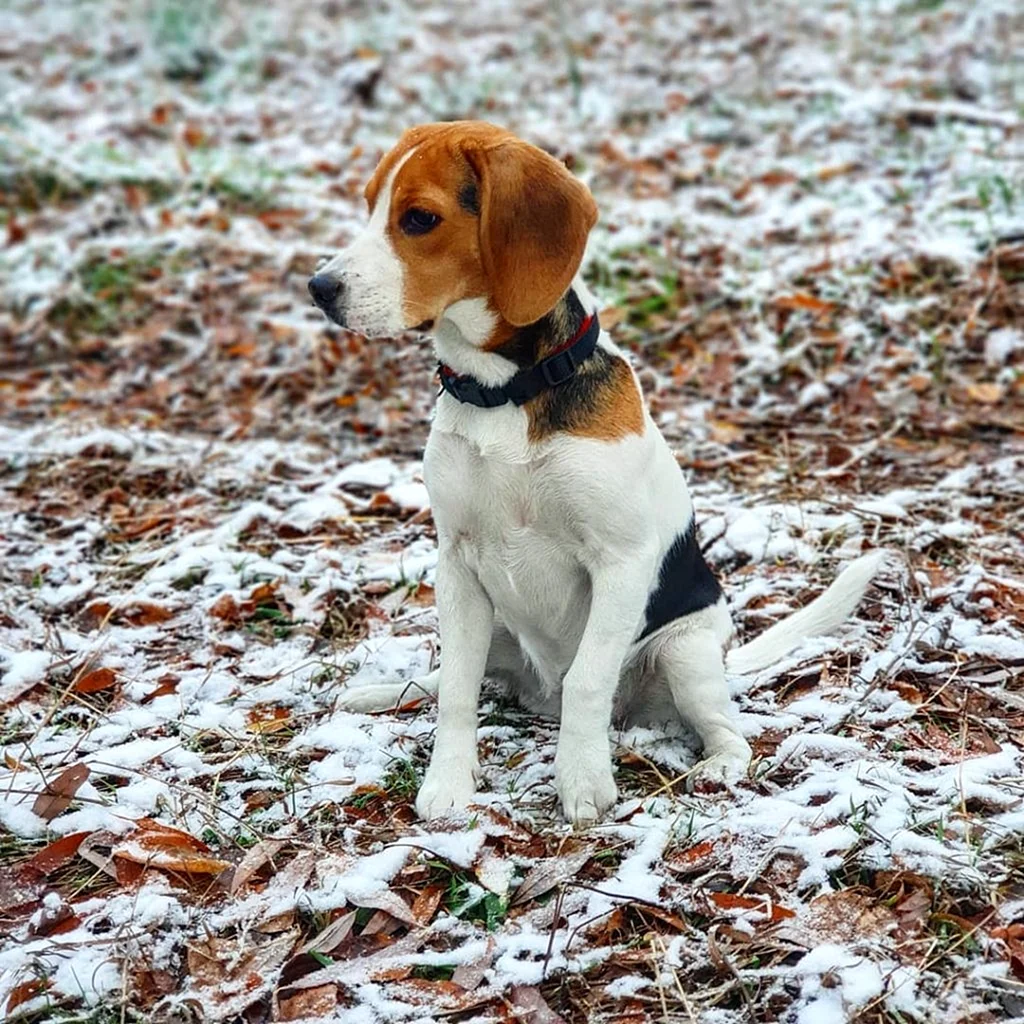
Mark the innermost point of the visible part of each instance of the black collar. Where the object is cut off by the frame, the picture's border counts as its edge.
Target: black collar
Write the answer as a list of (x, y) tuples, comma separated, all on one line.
[(551, 371)]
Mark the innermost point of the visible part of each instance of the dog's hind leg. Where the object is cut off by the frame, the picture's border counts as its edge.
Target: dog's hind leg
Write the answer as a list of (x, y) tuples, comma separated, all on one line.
[(505, 662), (690, 662), (386, 696)]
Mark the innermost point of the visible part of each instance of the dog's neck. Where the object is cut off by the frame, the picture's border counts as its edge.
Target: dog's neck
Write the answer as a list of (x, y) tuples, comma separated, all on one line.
[(475, 342)]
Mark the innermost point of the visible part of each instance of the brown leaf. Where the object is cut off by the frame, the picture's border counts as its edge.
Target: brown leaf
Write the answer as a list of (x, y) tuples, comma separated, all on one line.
[(730, 901), (836, 170), (426, 903), (15, 231), (913, 912), (546, 874), (847, 915), (192, 135), (1017, 960), (390, 903), (98, 679), (19, 893), (268, 720), (837, 454), (165, 685), (666, 917), (775, 178), (274, 220), (382, 923), (226, 608), (58, 794), (56, 855), (145, 613), (333, 935), (263, 852), (25, 991), (423, 595), (235, 972), (160, 846), (693, 855), (469, 976), (985, 394), (135, 197), (803, 301), (529, 1006), (308, 1002)]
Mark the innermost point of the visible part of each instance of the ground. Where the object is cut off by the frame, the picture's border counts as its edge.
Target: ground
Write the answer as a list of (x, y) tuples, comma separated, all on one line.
[(212, 519)]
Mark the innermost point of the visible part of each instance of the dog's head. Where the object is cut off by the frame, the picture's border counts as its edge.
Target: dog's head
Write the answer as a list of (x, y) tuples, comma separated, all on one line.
[(459, 211)]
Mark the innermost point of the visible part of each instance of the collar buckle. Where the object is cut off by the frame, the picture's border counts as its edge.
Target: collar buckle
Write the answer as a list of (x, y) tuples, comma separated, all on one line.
[(558, 369)]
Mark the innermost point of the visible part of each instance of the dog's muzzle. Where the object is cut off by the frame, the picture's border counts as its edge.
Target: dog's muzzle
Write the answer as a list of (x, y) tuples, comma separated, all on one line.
[(327, 292)]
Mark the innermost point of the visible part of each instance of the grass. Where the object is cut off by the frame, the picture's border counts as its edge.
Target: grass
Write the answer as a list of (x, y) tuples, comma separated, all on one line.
[(111, 293), (466, 899)]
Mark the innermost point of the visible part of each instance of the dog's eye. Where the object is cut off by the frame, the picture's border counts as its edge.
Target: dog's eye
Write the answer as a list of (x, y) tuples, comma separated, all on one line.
[(418, 222)]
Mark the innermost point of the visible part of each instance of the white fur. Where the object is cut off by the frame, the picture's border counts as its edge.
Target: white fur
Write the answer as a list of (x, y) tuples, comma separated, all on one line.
[(822, 615), (547, 555), (371, 274), (465, 326)]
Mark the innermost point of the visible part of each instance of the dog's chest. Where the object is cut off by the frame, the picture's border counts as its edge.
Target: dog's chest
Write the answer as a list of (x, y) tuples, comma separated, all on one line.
[(513, 526)]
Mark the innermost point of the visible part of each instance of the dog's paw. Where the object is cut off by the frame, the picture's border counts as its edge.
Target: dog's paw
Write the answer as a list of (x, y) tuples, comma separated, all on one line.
[(722, 766), (446, 787), (383, 696), (586, 791)]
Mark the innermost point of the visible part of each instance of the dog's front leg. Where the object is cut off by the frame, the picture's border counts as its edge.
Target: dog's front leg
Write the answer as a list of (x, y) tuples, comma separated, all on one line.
[(466, 618), (583, 765)]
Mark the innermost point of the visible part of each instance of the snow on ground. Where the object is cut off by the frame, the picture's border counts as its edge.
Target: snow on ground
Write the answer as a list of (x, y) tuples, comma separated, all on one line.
[(212, 517)]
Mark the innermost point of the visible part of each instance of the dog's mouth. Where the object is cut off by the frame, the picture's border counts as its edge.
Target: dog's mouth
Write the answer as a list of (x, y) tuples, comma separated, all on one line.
[(425, 326), (334, 314)]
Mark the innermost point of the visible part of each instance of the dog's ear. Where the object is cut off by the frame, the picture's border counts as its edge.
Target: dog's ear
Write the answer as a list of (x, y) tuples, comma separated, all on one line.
[(534, 220)]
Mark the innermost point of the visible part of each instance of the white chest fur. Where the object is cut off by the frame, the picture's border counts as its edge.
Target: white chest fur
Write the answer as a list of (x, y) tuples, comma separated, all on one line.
[(532, 522)]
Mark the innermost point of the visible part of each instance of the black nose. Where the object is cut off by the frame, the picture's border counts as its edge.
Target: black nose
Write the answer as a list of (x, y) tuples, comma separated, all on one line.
[(324, 290)]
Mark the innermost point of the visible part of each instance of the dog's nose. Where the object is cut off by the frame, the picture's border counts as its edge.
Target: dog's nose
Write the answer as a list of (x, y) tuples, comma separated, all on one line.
[(324, 289)]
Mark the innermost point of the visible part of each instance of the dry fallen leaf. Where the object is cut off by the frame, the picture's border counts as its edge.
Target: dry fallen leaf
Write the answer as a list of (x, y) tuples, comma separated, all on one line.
[(98, 679), (803, 301), (529, 1006), (730, 901), (390, 903), (331, 937), (546, 874), (160, 846), (56, 855), (308, 1002), (25, 991), (58, 794), (426, 903), (985, 394)]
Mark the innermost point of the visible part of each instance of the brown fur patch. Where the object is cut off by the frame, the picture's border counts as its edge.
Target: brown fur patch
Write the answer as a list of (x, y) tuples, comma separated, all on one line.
[(513, 226), (514, 221), (602, 402)]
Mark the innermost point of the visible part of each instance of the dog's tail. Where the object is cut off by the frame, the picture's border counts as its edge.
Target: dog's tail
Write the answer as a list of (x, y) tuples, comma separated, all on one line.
[(822, 615)]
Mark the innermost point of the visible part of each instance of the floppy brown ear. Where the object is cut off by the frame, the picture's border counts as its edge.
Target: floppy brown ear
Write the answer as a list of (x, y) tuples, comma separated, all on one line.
[(534, 220)]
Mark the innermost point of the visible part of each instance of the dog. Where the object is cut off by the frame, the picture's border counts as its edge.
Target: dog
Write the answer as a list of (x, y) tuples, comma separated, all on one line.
[(568, 562)]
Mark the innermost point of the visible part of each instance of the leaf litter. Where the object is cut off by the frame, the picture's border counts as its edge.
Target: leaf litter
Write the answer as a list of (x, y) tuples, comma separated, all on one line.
[(212, 517)]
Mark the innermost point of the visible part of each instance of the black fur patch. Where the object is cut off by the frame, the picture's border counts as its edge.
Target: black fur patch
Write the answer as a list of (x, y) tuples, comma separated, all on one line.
[(530, 343), (578, 400), (469, 198), (685, 584)]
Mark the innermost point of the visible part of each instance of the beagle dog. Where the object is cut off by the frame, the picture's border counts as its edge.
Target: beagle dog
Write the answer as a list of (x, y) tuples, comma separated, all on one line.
[(568, 564)]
